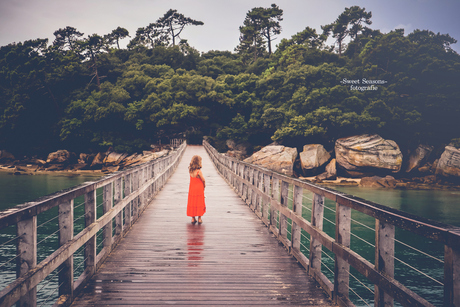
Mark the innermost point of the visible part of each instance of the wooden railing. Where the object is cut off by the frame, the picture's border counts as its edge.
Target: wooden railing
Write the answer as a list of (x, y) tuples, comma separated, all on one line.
[(124, 197), (266, 192)]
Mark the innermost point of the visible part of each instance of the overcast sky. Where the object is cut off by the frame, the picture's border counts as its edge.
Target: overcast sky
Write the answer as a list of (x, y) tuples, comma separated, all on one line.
[(22, 20)]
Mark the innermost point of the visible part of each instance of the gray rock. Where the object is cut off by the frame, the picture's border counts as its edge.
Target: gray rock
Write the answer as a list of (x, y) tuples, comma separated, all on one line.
[(312, 158), (275, 157), (449, 162), (366, 153), (418, 157), (114, 158), (98, 160), (60, 156)]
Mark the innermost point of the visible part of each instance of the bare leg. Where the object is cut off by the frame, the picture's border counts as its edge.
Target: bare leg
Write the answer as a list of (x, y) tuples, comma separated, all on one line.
[(199, 220), (193, 220)]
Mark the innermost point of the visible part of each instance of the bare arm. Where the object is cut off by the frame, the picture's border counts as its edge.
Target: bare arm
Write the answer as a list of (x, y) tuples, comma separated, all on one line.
[(200, 175)]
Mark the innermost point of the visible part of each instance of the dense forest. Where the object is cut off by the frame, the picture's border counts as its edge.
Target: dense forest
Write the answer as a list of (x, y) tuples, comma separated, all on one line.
[(86, 94)]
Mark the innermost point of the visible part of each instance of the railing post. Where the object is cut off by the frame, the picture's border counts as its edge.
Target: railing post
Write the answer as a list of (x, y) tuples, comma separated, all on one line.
[(117, 197), (90, 246), (266, 200), (245, 175), (250, 187), (66, 215), (136, 199), (451, 276), (27, 251), (384, 259), (127, 189), (254, 203), (107, 199), (276, 198), (317, 214), (260, 200), (297, 208), (284, 202), (342, 236)]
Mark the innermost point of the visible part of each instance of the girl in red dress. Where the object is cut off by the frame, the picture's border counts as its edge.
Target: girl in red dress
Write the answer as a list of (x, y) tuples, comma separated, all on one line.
[(195, 204)]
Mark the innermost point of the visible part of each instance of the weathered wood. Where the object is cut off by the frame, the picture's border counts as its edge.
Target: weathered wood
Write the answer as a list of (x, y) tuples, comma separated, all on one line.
[(284, 202), (341, 266), (317, 214), (66, 229), (90, 218), (117, 197), (62, 258), (107, 204), (128, 209), (27, 260), (228, 260), (275, 199), (451, 276), (384, 259), (297, 209)]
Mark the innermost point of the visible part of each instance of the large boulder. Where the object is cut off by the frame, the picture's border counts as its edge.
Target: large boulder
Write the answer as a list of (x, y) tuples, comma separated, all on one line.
[(59, 157), (418, 157), (275, 157), (312, 158), (98, 160), (449, 162), (114, 158), (367, 154)]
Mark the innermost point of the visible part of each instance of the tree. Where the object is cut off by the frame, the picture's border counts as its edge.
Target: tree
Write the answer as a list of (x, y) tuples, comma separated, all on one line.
[(251, 44), (116, 35), (166, 29), (271, 24), (91, 48), (349, 23), (172, 24), (66, 38)]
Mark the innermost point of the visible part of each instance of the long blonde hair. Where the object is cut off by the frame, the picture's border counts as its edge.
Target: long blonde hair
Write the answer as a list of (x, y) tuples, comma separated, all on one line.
[(195, 164)]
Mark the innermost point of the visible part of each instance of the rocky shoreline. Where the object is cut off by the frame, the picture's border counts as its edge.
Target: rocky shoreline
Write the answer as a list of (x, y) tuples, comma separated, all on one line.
[(68, 163), (362, 160)]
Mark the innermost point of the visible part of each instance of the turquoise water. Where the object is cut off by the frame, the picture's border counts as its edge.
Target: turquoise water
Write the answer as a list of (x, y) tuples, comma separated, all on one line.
[(18, 189), (441, 206)]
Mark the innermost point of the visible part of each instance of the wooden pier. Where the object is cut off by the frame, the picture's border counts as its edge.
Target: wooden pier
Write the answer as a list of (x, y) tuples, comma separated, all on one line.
[(231, 259)]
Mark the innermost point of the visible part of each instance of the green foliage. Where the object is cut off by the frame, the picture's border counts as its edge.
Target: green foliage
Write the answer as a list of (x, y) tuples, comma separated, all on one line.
[(81, 94)]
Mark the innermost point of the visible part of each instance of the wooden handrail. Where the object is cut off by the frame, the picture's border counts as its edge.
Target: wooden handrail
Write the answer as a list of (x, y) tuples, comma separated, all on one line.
[(125, 194), (266, 191)]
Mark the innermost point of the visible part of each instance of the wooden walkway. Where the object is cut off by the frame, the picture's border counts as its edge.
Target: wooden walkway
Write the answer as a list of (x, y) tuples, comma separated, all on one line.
[(231, 259)]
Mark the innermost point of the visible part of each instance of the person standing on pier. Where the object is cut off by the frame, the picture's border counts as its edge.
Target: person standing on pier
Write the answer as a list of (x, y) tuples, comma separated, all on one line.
[(195, 204)]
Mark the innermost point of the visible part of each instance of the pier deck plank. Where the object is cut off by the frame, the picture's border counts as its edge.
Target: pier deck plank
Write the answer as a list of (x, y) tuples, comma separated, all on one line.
[(231, 259)]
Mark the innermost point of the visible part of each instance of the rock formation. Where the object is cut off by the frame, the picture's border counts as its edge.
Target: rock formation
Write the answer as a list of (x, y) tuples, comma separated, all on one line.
[(60, 156), (366, 154), (449, 163), (312, 158), (275, 157), (419, 157)]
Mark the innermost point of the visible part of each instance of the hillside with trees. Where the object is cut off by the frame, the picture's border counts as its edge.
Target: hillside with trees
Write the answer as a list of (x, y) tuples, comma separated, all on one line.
[(85, 93)]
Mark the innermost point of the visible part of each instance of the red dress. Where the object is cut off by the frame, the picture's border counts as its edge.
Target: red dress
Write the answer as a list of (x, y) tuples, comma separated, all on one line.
[(195, 204)]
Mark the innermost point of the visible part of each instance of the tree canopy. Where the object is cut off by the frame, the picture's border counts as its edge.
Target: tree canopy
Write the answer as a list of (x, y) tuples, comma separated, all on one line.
[(86, 93)]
